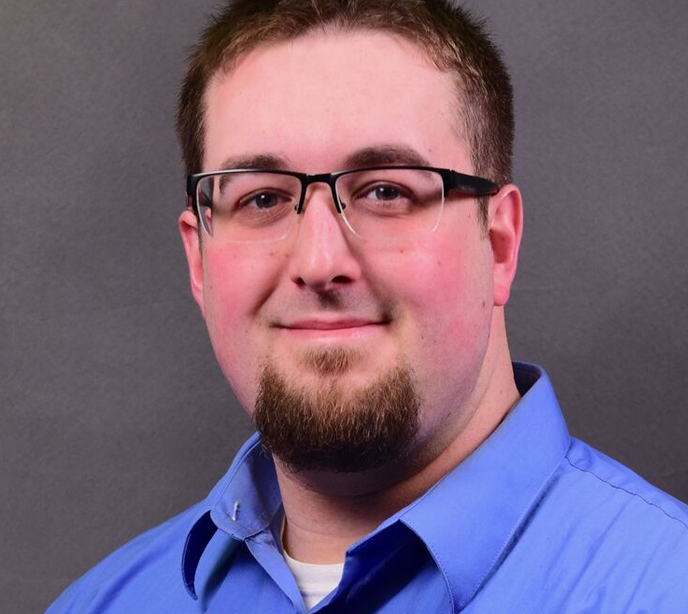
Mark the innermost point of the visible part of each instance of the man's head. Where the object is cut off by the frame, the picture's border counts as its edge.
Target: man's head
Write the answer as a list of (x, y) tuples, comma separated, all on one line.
[(344, 348)]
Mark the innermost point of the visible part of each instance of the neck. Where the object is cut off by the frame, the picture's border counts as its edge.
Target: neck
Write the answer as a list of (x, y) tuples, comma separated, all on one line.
[(327, 513)]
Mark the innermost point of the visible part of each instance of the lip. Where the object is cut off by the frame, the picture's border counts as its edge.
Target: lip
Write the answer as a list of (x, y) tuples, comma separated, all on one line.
[(317, 324), (340, 329)]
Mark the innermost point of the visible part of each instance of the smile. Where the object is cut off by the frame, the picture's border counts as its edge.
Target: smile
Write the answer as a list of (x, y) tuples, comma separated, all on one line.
[(339, 329)]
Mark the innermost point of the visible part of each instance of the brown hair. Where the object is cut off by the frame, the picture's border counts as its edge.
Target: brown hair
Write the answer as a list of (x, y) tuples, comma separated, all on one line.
[(451, 37)]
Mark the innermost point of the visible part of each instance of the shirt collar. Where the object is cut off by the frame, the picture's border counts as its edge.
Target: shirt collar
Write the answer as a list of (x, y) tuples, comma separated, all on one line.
[(470, 518), (243, 503), (467, 521)]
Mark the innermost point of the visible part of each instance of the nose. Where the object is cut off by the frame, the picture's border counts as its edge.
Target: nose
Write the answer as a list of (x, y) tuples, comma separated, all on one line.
[(321, 257)]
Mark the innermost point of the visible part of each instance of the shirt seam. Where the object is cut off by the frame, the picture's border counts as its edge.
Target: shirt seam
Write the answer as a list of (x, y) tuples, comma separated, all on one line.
[(628, 492)]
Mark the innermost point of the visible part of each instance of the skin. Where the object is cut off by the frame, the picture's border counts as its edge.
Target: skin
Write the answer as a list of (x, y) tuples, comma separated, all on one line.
[(437, 301)]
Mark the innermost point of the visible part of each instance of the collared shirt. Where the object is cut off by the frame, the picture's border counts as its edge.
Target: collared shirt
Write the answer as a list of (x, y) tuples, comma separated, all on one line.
[(533, 521)]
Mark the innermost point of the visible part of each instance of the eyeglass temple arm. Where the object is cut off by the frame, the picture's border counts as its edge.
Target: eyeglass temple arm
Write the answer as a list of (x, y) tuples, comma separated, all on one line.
[(468, 184)]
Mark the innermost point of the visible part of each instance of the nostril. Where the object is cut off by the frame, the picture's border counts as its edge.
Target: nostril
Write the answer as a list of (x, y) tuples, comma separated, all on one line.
[(327, 292)]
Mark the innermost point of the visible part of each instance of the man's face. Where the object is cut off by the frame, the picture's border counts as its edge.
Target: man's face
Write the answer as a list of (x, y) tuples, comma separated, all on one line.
[(324, 309)]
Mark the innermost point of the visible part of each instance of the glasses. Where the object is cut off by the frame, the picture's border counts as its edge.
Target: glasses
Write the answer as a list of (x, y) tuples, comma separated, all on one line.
[(380, 203)]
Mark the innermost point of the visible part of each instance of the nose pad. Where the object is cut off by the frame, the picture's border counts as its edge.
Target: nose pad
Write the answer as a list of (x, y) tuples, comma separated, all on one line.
[(321, 256), (320, 206), (318, 189)]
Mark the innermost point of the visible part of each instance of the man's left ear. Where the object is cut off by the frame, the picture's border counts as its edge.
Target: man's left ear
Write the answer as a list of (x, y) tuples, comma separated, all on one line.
[(505, 226)]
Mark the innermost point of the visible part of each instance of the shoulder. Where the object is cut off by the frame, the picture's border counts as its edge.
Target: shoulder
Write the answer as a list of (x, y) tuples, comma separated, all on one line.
[(601, 535), (618, 536), (148, 566), (607, 481), (148, 569)]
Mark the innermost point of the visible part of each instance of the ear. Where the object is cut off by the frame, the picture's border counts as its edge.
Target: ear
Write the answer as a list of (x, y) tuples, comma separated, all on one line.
[(505, 227), (188, 228)]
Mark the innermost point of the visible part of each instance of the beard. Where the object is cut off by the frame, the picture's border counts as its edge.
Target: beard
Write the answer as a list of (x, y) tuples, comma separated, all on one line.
[(332, 428)]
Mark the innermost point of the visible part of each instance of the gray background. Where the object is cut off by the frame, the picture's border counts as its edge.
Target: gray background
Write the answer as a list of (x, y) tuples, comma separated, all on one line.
[(114, 414)]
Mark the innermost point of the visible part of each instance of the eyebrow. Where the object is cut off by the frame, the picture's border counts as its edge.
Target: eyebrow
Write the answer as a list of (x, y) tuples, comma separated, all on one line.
[(386, 154), (379, 155), (268, 162)]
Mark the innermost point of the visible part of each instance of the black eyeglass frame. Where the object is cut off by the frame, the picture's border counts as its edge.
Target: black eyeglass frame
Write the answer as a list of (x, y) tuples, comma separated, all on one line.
[(469, 185)]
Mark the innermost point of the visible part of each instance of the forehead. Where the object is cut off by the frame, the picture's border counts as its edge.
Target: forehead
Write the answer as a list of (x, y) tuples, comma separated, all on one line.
[(315, 99)]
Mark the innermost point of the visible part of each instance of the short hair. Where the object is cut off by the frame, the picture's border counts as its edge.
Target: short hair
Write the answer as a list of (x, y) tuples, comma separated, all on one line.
[(451, 37)]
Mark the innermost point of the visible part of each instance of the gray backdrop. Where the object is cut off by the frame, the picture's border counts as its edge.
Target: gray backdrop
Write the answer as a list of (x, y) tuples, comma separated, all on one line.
[(114, 414)]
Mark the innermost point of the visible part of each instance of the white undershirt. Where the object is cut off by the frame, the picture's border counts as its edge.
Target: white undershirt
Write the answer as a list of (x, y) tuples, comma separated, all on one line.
[(315, 581)]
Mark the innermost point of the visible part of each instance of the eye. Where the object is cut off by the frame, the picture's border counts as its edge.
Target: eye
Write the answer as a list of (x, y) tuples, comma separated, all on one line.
[(385, 198), (263, 200), (383, 192)]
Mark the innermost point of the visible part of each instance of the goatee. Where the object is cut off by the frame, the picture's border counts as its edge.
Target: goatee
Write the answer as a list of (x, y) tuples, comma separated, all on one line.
[(334, 429)]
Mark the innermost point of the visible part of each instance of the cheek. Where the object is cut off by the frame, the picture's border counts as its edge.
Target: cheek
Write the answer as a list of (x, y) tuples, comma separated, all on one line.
[(234, 288), (450, 309), (227, 296), (237, 279)]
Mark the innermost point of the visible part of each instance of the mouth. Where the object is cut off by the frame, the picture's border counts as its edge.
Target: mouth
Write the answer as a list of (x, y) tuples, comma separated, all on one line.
[(324, 324), (332, 329)]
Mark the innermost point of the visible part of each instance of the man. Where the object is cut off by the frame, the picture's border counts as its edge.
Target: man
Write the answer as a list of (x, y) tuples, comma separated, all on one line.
[(352, 235)]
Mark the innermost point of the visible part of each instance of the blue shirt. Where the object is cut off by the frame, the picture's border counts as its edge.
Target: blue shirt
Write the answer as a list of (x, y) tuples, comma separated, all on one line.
[(533, 521)]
